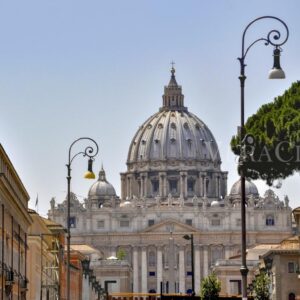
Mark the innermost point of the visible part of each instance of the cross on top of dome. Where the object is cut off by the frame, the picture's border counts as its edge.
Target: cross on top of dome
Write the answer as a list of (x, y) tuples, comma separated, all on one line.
[(173, 81)]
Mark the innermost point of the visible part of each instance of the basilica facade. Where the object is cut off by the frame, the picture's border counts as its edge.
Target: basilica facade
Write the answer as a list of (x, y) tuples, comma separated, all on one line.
[(173, 186)]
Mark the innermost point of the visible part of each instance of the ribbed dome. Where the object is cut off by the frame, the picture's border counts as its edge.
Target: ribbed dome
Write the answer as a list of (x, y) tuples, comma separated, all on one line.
[(101, 188), (250, 188), (173, 133)]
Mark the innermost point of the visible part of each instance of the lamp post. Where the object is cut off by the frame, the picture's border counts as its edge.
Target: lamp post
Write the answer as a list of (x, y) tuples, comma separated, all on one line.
[(191, 238), (90, 152), (92, 279), (85, 267), (268, 264), (99, 291), (272, 38), (85, 281)]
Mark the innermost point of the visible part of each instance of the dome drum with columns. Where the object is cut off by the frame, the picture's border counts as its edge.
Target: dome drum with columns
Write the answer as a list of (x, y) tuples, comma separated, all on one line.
[(173, 153), (173, 186)]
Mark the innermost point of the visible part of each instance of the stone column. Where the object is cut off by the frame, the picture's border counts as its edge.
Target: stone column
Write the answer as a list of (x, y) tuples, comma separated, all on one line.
[(181, 270), (135, 270), (162, 190), (199, 185), (130, 186), (182, 190), (217, 180), (159, 268), (134, 186), (220, 186), (171, 263), (123, 187), (205, 261), (185, 193), (127, 186), (146, 185), (225, 183), (165, 183), (197, 268), (142, 187), (144, 274)]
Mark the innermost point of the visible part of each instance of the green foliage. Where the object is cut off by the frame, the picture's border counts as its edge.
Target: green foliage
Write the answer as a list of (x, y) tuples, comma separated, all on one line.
[(210, 287), (276, 130), (121, 254), (261, 286)]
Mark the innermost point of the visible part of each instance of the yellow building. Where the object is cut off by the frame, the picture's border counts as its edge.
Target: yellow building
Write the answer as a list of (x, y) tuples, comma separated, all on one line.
[(45, 257), (282, 265), (280, 260), (14, 224)]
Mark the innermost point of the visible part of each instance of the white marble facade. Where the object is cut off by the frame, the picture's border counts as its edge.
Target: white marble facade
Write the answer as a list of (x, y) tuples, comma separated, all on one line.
[(173, 186)]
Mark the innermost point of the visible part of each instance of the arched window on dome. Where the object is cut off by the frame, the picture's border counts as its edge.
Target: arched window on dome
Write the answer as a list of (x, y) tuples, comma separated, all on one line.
[(191, 186), (270, 220), (155, 187), (173, 186)]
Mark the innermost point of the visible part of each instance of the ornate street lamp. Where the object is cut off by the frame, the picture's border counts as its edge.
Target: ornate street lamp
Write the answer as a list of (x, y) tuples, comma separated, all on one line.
[(268, 264), (99, 291), (92, 278), (272, 38), (191, 238), (85, 267), (90, 152), (91, 271), (95, 286)]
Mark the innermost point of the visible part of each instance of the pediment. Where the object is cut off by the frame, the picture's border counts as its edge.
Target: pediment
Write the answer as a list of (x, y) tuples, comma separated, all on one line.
[(170, 225)]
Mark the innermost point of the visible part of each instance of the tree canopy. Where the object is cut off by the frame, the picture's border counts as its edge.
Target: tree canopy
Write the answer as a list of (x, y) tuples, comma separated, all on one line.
[(275, 127), (210, 287), (121, 254), (262, 286)]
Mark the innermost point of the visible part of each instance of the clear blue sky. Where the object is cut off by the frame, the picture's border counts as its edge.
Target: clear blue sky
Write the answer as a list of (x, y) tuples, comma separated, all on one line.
[(71, 68)]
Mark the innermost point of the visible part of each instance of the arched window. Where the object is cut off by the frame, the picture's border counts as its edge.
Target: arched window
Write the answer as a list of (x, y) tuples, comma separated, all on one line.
[(188, 258), (72, 222), (173, 186), (270, 221), (155, 186), (292, 296), (165, 258), (151, 259), (216, 254), (190, 185)]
